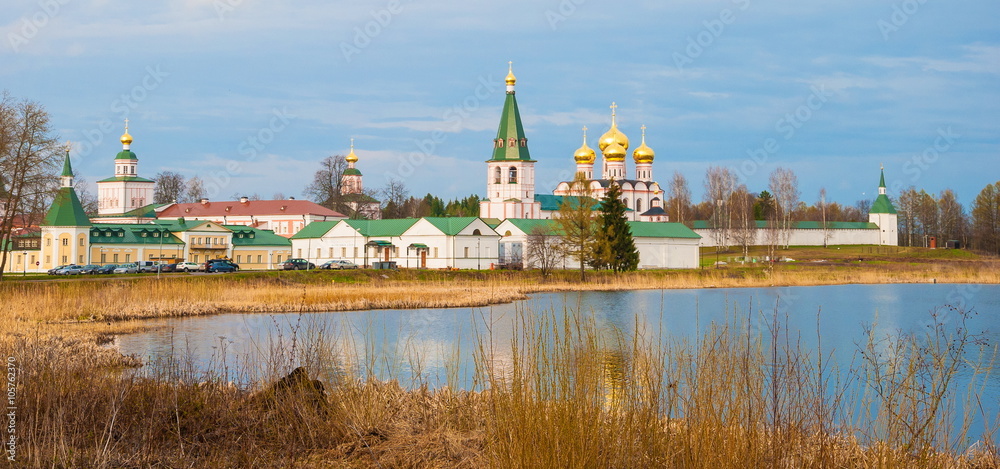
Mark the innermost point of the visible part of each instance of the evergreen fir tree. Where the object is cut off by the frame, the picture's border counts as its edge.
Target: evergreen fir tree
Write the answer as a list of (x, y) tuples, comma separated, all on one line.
[(615, 248)]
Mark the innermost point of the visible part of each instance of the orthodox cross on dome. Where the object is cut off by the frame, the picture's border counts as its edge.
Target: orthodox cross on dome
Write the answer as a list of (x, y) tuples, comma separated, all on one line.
[(126, 125), (643, 133), (69, 146), (584, 133)]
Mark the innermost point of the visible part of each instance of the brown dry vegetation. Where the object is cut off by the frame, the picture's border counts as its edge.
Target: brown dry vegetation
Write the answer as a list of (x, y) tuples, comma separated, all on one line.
[(570, 396)]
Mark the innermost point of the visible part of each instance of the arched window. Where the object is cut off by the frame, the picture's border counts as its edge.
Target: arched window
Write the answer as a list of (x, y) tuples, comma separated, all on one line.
[(512, 176), (625, 201), (497, 176), (638, 205), (499, 143), (476, 232), (511, 142)]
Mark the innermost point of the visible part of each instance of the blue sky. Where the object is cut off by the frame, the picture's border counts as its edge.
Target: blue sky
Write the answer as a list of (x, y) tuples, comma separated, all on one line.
[(250, 95)]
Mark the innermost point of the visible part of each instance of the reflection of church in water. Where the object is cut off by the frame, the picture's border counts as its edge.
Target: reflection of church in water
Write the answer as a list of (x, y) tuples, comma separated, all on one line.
[(510, 176)]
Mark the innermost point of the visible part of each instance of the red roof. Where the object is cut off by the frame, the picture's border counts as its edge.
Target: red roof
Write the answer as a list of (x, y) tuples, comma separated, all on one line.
[(256, 208)]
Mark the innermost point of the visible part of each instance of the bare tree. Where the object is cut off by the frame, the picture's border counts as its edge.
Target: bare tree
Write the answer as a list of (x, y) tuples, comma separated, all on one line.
[(577, 223), (543, 250), (906, 207), (952, 219), (678, 204), (394, 196), (743, 224), (195, 190), (28, 162), (87, 199), (325, 187), (720, 183), (169, 187), (785, 186), (275, 196), (986, 219)]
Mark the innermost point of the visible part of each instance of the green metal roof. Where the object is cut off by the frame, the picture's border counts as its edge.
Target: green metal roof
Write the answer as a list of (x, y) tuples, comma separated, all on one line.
[(882, 204), (803, 225), (67, 169), (66, 210), (648, 229), (146, 211), (394, 227), (451, 226), (126, 155), (315, 229), (250, 236), (527, 225), (552, 202), (492, 222), (109, 233), (352, 172), (511, 128), (126, 178), (180, 224)]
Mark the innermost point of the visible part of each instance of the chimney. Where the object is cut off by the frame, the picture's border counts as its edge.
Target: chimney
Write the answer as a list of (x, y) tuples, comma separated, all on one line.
[(203, 201), (291, 198), (244, 199)]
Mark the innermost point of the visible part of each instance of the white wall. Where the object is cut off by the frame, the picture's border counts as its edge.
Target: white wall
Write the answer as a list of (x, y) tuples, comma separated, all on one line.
[(811, 237)]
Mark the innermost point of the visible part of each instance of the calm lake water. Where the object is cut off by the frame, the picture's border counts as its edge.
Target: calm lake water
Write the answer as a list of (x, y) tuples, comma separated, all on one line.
[(436, 346)]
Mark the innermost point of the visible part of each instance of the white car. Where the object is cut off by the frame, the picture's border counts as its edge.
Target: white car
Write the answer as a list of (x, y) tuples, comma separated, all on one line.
[(188, 267), (126, 269)]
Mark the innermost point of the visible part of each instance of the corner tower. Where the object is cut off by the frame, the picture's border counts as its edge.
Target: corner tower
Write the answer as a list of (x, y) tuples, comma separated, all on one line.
[(125, 191), (66, 228), (510, 173), (884, 215)]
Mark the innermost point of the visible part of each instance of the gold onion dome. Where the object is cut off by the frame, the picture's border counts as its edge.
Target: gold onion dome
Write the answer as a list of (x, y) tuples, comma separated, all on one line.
[(613, 135), (351, 157), (643, 154), (510, 80), (615, 152), (585, 154), (126, 138)]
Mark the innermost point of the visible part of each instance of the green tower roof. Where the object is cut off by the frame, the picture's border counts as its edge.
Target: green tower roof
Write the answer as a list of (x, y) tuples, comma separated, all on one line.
[(882, 204), (66, 210), (126, 155), (67, 169), (881, 180), (352, 172), (511, 128)]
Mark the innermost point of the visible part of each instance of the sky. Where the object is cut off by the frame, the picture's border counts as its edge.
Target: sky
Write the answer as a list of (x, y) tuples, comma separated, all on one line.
[(250, 95)]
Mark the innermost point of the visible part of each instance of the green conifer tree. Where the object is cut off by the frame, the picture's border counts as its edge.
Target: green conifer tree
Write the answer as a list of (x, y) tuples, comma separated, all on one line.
[(615, 247)]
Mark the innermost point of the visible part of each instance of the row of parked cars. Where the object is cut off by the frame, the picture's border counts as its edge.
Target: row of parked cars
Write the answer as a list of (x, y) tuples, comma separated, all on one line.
[(302, 264), (214, 265)]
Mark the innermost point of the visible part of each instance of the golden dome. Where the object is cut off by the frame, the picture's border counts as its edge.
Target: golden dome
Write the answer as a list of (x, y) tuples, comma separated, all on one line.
[(510, 74), (643, 154), (613, 135), (615, 152), (351, 157), (126, 138), (585, 154)]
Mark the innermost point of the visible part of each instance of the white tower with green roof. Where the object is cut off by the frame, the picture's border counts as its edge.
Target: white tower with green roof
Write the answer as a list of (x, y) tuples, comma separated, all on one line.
[(66, 228), (884, 215), (510, 173), (125, 191)]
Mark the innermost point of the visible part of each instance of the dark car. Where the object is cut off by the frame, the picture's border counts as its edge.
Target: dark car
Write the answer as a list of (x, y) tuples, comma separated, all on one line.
[(221, 265), (297, 264), (168, 267), (53, 270), (90, 269), (107, 269)]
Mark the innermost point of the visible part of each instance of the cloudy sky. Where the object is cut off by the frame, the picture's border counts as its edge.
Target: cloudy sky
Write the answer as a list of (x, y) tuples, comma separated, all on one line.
[(250, 95)]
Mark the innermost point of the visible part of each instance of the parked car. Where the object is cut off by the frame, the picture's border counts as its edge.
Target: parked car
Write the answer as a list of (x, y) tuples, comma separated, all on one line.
[(70, 270), (146, 266), (90, 269), (297, 264), (338, 264), (107, 269), (130, 268), (53, 270), (221, 265), (188, 266), (167, 267)]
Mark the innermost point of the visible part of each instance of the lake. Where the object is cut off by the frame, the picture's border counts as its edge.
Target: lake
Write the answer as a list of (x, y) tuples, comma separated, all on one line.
[(436, 346)]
